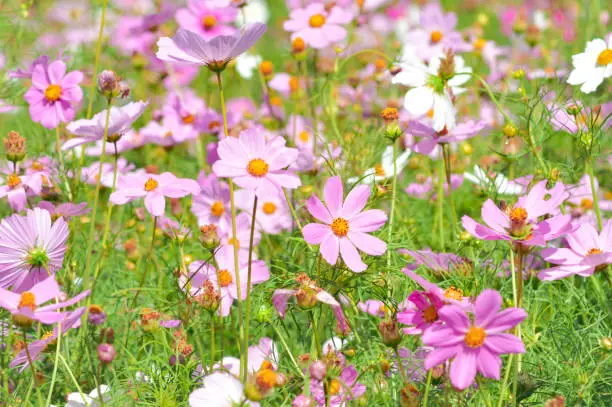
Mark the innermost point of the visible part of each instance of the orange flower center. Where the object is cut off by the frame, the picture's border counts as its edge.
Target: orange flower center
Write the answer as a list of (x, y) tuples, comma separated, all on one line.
[(430, 113), (304, 136), (276, 101), (230, 242), (479, 44), (436, 37), (475, 337), (269, 208), (27, 300), (340, 227), (594, 251), (217, 208), (214, 125), (605, 57), (224, 278), (53, 93), (380, 171), (208, 22), (150, 185), (586, 203), (37, 166), (453, 293), (518, 215), (430, 314), (257, 167), (334, 387), (293, 84), (13, 181), (95, 309), (316, 21), (265, 379), (188, 119)]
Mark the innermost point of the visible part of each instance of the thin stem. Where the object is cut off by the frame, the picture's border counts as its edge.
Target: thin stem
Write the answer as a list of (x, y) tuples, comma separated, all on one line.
[(56, 364), (212, 340), (58, 146), (94, 210), (448, 172), (502, 391), (27, 351), (149, 254), (595, 197), (292, 209), (400, 365), (284, 343), (248, 286), (427, 386), (243, 352), (393, 198), (441, 204)]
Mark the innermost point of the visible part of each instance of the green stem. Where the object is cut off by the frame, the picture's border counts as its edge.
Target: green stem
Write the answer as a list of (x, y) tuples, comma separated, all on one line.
[(392, 212), (27, 351), (284, 343), (441, 203), (60, 155), (448, 172), (248, 286), (427, 387), (56, 364), (212, 340), (149, 254), (595, 197), (502, 391)]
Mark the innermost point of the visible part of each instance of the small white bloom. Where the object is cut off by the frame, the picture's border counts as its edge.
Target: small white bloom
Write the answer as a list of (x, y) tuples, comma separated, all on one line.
[(220, 390), (91, 399), (592, 66), (255, 11), (384, 170), (246, 64), (333, 344), (499, 182)]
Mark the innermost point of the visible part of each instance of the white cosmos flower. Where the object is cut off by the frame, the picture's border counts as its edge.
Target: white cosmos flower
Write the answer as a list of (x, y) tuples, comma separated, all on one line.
[(91, 399), (246, 64), (384, 170), (428, 95), (255, 11), (592, 66), (501, 184), (220, 390)]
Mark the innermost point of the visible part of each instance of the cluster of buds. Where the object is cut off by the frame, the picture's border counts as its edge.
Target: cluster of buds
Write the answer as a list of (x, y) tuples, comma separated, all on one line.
[(111, 86), (209, 237), (261, 384), (181, 345), (15, 147), (209, 297), (393, 130)]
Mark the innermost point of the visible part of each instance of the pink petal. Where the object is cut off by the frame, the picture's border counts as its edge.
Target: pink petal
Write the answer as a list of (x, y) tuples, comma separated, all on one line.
[(333, 193), (318, 210), (315, 233), (368, 221), (355, 201), (330, 249), (368, 244), (351, 256), (463, 369)]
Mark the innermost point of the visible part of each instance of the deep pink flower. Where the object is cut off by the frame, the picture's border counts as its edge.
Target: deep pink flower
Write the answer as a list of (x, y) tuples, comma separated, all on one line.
[(32, 247), (347, 385), (474, 346), (256, 163), (207, 19), (439, 263), (53, 94), (345, 225), (317, 26), (430, 138), (520, 223), (588, 251), (154, 189)]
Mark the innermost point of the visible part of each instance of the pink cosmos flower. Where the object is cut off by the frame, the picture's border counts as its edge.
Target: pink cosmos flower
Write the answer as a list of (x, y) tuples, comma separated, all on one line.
[(428, 187), (581, 196), (474, 346), (26, 73), (317, 26), (439, 263), (18, 188), (588, 251), (345, 225), (190, 48), (520, 223), (119, 122), (89, 174), (302, 132), (207, 18), (153, 188), (220, 389), (65, 210), (32, 247), (264, 351), (130, 140), (212, 204), (183, 114), (430, 138), (347, 385), (256, 163), (224, 276), (53, 94), (273, 215)]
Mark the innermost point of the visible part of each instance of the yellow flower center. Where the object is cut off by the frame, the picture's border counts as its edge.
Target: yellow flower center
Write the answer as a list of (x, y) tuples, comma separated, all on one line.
[(340, 227), (13, 181), (276, 101), (37, 166), (586, 203), (594, 251), (605, 57), (27, 300), (430, 314), (150, 185), (453, 293), (257, 167), (334, 387), (230, 242), (208, 22), (188, 119), (293, 84), (430, 113), (53, 93), (475, 337), (269, 208), (435, 37), (479, 44), (304, 136), (380, 171), (316, 21), (224, 278), (518, 216), (217, 208)]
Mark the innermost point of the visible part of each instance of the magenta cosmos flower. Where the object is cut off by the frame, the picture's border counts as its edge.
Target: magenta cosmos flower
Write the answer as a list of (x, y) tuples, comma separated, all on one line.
[(66, 210), (187, 47), (53, 94), (341, 389), (317, 26), (256, 163), (92, 130), (32, 247), (154, 189), (430, 138), (345, 225), (520, 223), (474, 346), (588, 251), (207, 19)]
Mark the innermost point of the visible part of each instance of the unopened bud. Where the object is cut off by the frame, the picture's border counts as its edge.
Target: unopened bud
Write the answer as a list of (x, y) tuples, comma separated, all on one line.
[(395, 70), (107, 335), (298, 46), (518, 74), (106, 353), (266, 68), (318, 370), (606, 343), (389, 333), (532, 37), (108, 83), (96, 315), (209, 237), (510, 130), (573, 110), (14, 145)]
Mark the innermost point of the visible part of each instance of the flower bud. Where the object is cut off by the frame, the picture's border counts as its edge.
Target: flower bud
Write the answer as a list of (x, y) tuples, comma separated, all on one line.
[(409, 396), (264, 313), (395, 70), (318, 370), (266, 68), (107, 335), (606, 343), (108, 83), (510, 130), (306, 297), (209, 297), (209, 237), (96, 315), (298, 48), (106, 353), (518, 74), (15, 147), (573, 110), (390, 333), (123, 90)]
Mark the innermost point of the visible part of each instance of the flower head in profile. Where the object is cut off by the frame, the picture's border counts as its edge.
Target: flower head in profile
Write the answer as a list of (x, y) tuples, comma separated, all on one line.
[(345, 225), (318, 26), (588, 252), (255, 163), (474, 344), (53, 94), (592, 66), (430, 138), (521, 222), (154, 188), (496, 183), (66, 210), (187, 47), (119, 122), (32, 247)]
